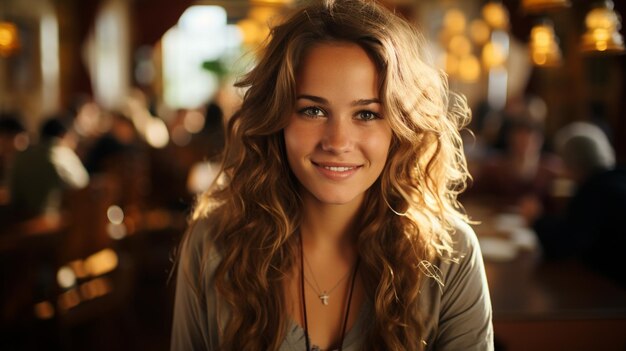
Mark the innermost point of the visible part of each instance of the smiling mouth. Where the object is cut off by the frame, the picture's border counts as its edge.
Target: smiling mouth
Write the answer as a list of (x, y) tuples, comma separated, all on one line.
[(336, 171)]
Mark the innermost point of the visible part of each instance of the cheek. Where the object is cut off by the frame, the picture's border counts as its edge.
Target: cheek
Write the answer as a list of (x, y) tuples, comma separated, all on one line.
[(298, 140), (378, 145), (290, 145)]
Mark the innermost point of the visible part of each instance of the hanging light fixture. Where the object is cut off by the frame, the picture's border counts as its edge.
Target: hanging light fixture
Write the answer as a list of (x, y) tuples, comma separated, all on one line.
[(9, 39), (602, 34), (544, 46), (533, 6), (9, 32)]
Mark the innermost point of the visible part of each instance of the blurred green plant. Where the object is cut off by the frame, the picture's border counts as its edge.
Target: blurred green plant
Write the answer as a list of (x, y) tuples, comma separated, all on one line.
[(216, 67)]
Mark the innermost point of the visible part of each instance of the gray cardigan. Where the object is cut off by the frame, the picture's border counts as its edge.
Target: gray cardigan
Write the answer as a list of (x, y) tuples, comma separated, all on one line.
[(458, 313)]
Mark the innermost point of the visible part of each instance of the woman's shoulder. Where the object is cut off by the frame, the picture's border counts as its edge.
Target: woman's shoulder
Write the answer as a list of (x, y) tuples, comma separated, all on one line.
[(462, 256), (198, 247), (458, 303), (196, 309), (452, 267), (198, 230), (463, 239)]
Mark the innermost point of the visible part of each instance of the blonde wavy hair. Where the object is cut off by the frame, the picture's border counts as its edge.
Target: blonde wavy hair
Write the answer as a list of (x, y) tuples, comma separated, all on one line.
[(407, 219)]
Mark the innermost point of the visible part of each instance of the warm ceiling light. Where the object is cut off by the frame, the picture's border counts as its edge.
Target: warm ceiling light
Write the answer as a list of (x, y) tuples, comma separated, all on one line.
[(544, 47), (454, 21), (469, 69), (9, 39), (493, 55), (496, 15), (479, 31), (459, 45), (602, 34), (544, 5)]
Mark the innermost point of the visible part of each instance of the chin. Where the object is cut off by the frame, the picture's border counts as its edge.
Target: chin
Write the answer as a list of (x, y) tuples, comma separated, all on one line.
[(338, 199)]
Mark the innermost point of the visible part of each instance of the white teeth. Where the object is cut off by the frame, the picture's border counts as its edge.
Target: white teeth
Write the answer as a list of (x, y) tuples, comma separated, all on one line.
[(338, 169)]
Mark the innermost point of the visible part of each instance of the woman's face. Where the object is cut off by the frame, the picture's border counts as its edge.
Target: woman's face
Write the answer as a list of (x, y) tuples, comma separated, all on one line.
[(337, 139)]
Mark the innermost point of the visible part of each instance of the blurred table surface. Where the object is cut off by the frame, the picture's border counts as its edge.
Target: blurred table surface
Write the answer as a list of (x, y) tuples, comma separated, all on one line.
[(528, 289), (545, 305)]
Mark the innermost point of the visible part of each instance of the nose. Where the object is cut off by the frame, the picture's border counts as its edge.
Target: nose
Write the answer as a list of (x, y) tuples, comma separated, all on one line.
[(338, 136)]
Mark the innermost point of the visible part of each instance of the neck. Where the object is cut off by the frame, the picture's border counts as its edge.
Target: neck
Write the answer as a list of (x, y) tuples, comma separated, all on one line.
[(325, 225)]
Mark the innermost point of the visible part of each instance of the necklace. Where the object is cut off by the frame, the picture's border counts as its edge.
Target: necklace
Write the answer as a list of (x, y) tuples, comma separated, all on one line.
[(322, 294), (347, 312)]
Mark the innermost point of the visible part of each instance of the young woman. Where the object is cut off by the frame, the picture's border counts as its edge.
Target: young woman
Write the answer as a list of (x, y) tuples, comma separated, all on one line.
[(337, 225)]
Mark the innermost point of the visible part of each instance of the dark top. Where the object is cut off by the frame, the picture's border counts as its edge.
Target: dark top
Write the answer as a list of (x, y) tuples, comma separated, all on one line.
[(593, 228)]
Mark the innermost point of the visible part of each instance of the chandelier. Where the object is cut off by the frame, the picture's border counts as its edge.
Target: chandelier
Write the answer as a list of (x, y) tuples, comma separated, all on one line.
[(602, 34)]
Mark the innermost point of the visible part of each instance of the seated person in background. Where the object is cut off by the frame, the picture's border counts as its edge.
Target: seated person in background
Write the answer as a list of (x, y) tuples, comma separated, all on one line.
[(41, 172), (523, 172), (13, 138), (119, 142), (211, 142), (117, 162), (592, 228)]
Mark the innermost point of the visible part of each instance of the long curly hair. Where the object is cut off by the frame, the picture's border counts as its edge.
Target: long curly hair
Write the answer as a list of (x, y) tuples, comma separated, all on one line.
[(407, 218)]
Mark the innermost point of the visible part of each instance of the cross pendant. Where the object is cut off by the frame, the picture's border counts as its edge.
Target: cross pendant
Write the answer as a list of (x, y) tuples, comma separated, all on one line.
[(324, 297)]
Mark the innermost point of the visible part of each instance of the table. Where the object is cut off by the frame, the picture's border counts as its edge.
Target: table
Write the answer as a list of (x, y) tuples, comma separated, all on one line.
[(559, 305)]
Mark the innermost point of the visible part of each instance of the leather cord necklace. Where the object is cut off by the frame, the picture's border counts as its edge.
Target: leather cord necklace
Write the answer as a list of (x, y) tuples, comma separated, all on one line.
[(347, 312)]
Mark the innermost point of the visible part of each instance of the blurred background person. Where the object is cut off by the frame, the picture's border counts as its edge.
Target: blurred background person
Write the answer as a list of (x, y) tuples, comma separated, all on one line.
[(592, 228), (90, 122), (117, 162), (13, 138), (516, 167), (209, 144), (119, 139), (41, 173)]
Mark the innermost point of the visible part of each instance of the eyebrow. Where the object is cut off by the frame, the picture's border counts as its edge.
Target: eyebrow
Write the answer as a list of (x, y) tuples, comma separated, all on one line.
[(321, 100)]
